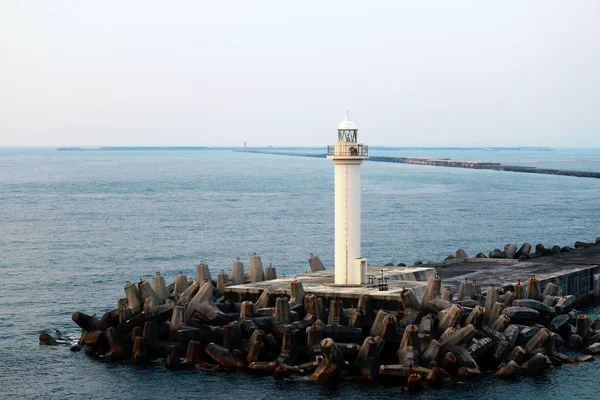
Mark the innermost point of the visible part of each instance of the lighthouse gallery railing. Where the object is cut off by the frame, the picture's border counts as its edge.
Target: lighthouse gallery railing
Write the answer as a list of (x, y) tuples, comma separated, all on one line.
[(348, 149)]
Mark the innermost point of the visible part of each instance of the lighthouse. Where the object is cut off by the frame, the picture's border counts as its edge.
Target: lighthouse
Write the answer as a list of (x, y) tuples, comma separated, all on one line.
[(347, 155)]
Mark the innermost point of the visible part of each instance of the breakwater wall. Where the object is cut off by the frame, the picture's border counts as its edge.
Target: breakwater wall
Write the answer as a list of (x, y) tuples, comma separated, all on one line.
[(514, 319), (445, 162)]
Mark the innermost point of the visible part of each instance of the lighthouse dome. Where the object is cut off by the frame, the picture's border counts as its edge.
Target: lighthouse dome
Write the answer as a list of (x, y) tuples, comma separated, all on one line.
[(347, 124)]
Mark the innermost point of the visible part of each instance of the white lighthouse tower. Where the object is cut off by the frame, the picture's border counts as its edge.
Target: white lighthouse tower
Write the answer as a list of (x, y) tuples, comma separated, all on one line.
[(347, 155)]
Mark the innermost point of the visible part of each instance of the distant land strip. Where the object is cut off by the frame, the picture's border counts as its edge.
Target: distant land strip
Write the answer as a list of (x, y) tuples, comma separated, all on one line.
[(135, 148), (446, 162)]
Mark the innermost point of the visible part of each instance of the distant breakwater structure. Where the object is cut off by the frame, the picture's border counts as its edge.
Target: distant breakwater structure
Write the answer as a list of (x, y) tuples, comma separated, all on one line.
[(446, 162), (507, 313), (431, 161)]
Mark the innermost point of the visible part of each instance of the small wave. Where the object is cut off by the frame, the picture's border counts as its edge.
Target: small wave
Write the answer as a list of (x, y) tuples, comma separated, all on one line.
[(165, 258)]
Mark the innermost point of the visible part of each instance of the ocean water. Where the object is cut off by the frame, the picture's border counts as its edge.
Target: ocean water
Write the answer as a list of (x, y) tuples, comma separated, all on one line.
[(75, 226)]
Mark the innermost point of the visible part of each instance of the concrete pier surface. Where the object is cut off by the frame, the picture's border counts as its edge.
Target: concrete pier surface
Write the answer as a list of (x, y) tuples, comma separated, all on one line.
[(321, 284), (576, 272), (446, 162)]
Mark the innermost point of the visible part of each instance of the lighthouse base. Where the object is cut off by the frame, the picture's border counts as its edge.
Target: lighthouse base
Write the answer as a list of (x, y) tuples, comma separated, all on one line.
[(354, 275)]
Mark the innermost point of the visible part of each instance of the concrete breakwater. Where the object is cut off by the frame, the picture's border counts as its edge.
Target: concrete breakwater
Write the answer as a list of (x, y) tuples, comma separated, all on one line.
[(446, 162), (454, 328)]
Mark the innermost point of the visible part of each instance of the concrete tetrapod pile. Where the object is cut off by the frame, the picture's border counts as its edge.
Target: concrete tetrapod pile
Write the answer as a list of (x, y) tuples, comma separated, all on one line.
[(190, 325), (522, 253)]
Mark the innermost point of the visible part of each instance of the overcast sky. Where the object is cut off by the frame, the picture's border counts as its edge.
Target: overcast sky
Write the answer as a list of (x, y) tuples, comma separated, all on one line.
[(418, 73)]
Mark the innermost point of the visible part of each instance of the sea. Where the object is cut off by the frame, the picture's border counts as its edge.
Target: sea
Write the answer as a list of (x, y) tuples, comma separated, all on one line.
[(75, 226)]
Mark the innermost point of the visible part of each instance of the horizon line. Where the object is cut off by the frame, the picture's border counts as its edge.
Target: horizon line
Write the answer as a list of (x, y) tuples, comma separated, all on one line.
[(208, 147)]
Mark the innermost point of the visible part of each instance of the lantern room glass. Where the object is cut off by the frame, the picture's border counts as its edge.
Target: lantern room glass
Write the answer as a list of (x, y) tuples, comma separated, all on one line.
[(347, 135)]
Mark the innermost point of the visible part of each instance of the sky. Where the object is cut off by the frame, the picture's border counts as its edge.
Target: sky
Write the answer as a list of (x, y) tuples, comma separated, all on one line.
[(282, 73)]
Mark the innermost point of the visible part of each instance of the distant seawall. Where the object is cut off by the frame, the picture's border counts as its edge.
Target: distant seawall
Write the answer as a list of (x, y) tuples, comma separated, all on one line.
[(136, 148), (446, 162)]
